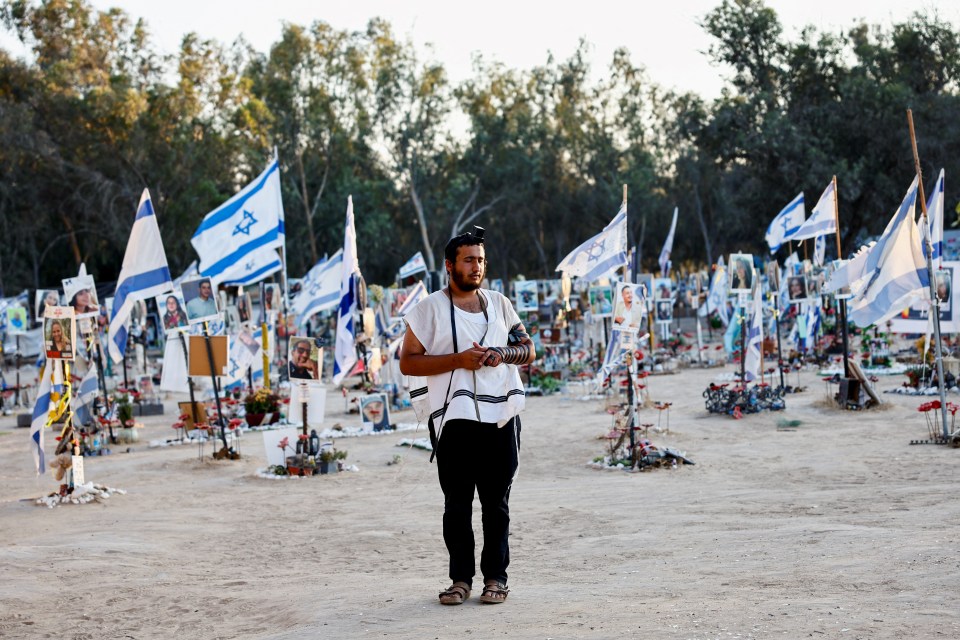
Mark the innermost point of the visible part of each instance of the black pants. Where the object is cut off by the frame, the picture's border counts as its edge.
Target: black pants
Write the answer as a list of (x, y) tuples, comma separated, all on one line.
[(477, 456)]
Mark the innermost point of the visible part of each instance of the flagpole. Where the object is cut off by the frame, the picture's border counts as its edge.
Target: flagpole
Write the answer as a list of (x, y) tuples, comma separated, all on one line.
[(934, 300), (627, 276), (842, 301)]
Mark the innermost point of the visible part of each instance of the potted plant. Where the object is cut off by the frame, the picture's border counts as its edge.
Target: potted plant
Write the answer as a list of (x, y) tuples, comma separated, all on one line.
[(260, 403), (330, 455)]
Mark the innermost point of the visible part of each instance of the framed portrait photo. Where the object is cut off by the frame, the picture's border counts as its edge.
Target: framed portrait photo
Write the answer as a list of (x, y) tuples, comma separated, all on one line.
[(81, 294), (797, 288), (375, 411), (741, 273), (200, 300), (59, 333), (628, 310), (527, 295), (305, 358), (173, 316), (601, 301)]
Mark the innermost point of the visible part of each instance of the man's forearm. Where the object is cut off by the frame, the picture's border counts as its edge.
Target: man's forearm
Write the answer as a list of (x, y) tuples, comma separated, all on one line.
[(426, 365)]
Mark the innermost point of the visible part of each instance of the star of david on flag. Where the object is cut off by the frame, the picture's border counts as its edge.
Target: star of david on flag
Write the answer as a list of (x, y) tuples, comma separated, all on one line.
[(247, 224), (602, 253)]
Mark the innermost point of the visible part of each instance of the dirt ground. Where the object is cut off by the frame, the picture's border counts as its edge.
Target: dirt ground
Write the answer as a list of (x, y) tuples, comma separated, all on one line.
[(835, 529)]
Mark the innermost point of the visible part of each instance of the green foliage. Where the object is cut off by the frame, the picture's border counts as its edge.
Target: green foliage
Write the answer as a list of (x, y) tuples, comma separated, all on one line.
[(96, 114)]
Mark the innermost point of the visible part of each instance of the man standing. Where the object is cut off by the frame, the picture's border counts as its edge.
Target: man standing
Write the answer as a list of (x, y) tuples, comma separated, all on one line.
[(468, 342), (203, 306)]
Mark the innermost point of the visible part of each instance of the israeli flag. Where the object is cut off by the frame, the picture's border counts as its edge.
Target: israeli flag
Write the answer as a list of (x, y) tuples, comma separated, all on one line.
[(319, 289), (822, 220), (414, 265), (247, 223), (754, 362), (418, 293), (253, 269), (345, 349), (668, 248), (85, 394), (819, 250), (786, 223), (40, 411), (935, 219), (602, 253), (900, 276), (717, 298), (144, 274), (868, 259), (188, 274)]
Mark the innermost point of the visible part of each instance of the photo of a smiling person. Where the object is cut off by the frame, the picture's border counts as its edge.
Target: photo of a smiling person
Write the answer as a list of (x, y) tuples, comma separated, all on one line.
[(304, 358)]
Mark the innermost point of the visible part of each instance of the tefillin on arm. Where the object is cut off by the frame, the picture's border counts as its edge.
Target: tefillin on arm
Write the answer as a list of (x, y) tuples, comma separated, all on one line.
[(518, 347)]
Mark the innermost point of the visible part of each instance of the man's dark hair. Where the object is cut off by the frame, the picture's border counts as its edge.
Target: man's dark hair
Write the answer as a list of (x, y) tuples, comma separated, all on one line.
[(468, 239)]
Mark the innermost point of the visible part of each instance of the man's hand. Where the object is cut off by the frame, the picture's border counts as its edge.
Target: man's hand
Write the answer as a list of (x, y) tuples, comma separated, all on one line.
[(472, 358), (492, 357)]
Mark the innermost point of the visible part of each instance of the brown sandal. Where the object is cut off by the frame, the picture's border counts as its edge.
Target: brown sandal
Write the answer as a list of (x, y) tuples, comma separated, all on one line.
[(494, 592), (455, 593)]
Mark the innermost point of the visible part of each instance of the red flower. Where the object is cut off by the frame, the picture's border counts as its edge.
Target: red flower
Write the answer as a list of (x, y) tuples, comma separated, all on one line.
[(284, 443)]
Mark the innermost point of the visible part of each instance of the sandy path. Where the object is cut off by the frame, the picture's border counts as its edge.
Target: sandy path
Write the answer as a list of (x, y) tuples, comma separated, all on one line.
[(837, 530)]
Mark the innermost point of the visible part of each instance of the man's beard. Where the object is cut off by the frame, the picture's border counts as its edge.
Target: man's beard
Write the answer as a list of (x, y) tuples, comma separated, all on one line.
[(463, 283)]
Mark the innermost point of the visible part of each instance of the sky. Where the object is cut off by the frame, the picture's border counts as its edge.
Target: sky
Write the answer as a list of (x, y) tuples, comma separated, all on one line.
[(664, 37)]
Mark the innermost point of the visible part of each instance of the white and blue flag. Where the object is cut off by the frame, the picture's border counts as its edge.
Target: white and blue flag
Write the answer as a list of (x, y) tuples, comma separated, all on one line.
[(252, 269), (84, 395), (787, 223), (717, 298), (664, 260), (244, 225), (413, 266), (345, 349), (822, 220), (602, 253), (898, 276), (416, 294), (754, 356), (853, 272), (319, 289), (935, 220), (41, 411), (188, 274), (819, 250), (144, 274)]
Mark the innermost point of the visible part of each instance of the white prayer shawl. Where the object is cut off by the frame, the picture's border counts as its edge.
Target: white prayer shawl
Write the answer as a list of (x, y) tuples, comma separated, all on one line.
[(499, 392)]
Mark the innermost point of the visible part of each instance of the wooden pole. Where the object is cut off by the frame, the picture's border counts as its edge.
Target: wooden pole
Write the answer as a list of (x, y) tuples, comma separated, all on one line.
[(934, 300), (843, 302)]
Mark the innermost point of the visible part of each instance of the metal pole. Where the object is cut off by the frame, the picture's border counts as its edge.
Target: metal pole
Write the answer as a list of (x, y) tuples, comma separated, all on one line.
[(213, 377), (934, 300), (193, 400)]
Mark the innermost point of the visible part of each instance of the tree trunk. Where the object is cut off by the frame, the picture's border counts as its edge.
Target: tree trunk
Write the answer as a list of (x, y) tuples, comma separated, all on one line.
[(307, 211), (74, 245), (422, 221)]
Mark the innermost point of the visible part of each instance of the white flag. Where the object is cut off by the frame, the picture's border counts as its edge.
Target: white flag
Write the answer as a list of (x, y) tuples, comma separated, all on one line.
[(668, 248)]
